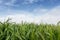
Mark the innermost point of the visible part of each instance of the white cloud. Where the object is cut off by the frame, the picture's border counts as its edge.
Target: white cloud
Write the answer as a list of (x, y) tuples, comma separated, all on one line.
[(48, 16), (40, 11), (55, 11), (10, 3), (32, 1), (19, 17), (7, 2), (28, 1)]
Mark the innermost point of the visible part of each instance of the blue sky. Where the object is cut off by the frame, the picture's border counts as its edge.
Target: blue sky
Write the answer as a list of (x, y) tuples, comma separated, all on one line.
[(36, 11)]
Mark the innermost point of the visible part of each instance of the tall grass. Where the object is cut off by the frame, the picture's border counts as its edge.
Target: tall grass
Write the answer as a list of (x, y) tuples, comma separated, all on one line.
[(26, 31)]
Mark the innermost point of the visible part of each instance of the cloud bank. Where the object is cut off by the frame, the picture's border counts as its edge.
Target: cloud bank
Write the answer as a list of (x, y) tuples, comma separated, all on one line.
[(48, 16)]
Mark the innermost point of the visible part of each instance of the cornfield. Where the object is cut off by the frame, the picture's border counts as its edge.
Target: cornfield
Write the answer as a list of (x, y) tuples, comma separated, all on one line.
[(28, 31)]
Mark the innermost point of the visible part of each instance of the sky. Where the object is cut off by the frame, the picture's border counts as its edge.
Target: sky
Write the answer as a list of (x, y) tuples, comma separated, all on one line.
[(36, 11)]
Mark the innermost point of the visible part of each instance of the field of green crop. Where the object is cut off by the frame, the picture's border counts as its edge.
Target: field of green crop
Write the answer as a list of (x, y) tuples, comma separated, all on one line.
[(29, 31)]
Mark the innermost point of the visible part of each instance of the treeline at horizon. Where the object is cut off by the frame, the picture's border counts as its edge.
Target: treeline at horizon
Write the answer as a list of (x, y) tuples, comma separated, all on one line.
[(29, 31)]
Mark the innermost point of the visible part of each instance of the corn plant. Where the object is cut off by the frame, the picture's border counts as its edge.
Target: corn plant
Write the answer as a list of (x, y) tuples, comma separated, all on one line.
[(28, 31)]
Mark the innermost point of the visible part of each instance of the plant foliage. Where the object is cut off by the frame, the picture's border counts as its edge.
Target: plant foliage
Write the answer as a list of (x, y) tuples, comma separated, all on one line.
[(28, 31)]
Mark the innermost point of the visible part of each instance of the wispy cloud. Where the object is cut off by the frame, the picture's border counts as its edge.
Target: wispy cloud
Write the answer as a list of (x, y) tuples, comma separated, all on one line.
[(28, 3), (31, 1), (40, 11)]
